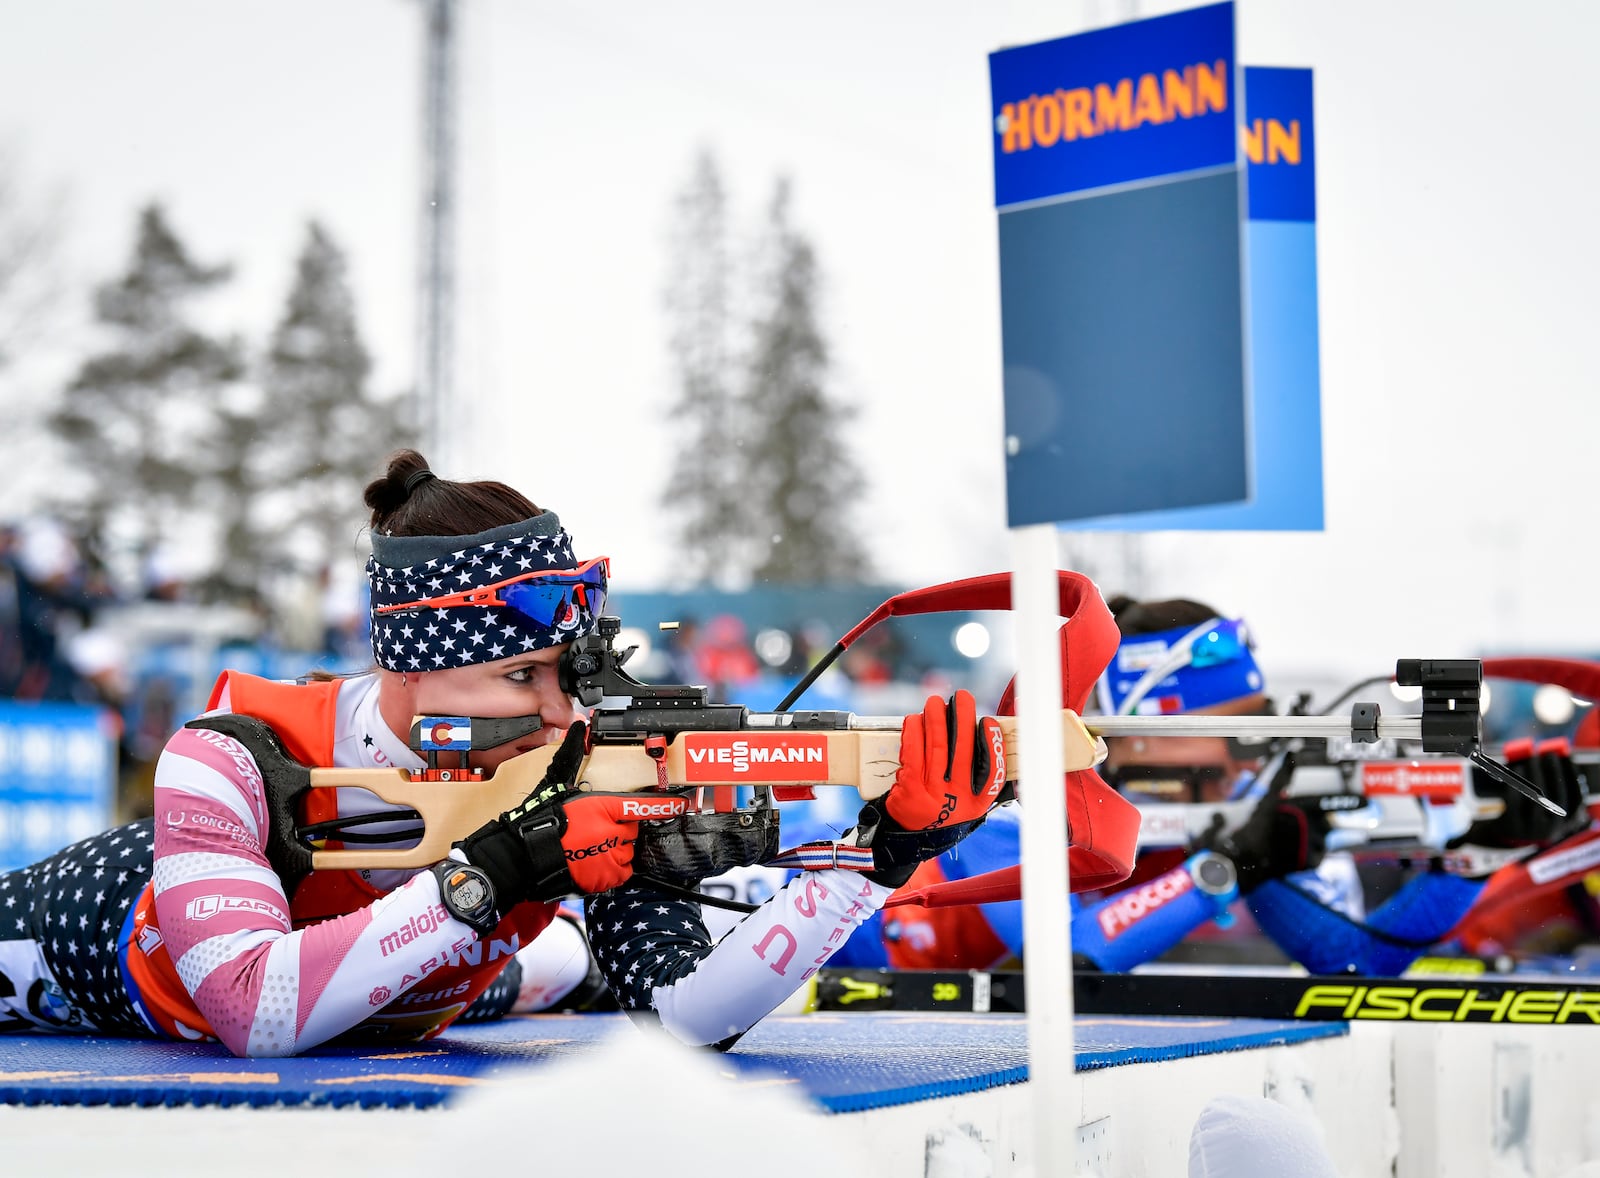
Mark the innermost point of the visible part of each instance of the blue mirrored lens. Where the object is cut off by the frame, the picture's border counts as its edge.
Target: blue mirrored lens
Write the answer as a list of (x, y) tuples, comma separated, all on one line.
[(545, 600), (1221, 645), (540, 600)]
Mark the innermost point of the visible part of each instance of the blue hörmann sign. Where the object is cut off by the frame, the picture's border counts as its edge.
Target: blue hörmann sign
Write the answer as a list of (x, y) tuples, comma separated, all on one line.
[(1279, 144), (1119, 187)]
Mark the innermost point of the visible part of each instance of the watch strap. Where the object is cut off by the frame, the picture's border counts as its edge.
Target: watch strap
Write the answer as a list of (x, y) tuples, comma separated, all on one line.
[(467, 894)]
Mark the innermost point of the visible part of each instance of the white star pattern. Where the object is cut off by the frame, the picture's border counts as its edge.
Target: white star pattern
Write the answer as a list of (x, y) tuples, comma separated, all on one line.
[(459, 636), (667, 942), (68, 929)]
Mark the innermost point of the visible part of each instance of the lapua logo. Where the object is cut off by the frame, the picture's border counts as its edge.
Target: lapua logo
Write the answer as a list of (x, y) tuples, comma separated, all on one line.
[(205, 907)]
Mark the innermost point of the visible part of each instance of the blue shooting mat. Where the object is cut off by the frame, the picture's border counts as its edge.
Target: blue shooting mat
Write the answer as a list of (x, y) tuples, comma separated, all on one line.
[(844, 1062)]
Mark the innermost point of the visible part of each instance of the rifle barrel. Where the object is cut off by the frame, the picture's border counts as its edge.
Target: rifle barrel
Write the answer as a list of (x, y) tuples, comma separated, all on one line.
[(1246, 727), (1262, 728)]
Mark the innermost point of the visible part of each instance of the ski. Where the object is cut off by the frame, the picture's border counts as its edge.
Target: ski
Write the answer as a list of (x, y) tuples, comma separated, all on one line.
[(1434, 999)]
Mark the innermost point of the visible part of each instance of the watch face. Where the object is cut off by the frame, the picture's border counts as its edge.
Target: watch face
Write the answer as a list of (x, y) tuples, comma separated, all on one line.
[(468, 891)]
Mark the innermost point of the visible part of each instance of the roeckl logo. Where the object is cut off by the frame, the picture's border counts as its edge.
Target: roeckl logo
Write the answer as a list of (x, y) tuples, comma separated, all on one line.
[(666, 808), (790, 756), (997, 761), (598, 849)]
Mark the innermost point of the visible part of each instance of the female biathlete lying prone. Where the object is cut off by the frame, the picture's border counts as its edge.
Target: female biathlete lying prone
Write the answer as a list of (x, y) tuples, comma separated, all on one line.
[(201, 923)]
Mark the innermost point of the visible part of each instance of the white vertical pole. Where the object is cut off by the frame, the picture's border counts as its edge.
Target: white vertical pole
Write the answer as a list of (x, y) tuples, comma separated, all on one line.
[(1046, 932), (436, 321)]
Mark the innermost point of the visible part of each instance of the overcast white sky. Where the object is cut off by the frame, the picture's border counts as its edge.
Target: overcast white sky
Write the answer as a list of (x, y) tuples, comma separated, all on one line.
[(1458, 252)]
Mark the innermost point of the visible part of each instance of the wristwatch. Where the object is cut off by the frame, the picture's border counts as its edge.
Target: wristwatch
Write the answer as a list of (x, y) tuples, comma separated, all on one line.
[(467, 895)]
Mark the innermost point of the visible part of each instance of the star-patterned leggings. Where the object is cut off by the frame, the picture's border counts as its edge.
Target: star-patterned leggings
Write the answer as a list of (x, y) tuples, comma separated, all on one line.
[(642, 939), (60, 921)]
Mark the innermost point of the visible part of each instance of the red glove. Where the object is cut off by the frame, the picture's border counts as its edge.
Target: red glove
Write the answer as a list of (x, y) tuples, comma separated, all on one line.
[(952, 766), (561, 840), (601, 829)]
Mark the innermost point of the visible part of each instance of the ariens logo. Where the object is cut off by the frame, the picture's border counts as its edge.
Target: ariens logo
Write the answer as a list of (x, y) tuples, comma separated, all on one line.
[(1043, 120)]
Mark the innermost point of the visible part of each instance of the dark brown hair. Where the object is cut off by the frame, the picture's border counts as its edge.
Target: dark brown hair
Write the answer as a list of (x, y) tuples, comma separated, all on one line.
[(1152, 617), (440, 507)]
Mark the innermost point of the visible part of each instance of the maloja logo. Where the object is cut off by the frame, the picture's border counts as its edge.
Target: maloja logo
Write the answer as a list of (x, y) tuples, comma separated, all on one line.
[(663, 808), (420, 925), (1135, 904), (717, 756)]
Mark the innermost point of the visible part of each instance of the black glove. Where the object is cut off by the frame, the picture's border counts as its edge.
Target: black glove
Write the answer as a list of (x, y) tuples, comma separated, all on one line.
[(1280, 836), (897, 851), (521, 851), (1522, 822)]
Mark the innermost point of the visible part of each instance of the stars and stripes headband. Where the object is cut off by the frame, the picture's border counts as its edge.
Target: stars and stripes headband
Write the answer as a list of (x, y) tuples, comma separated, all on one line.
[(451, 601)]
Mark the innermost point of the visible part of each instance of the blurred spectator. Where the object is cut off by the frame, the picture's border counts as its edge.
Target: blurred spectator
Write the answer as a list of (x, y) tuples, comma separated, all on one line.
[(810, 642), (45, 603), (164, 576), (680, 650), (345, 617), (870, 661), (725, 660)]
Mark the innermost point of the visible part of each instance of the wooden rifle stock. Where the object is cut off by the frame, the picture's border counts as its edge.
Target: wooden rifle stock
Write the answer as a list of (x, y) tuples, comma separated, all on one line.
[(865, 757)]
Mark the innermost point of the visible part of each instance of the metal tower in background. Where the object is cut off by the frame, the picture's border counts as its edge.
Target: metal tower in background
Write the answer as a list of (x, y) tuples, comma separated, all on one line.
[(436, 319)]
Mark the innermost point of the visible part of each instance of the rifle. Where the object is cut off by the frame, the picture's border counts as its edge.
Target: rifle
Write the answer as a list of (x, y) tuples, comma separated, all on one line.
[(662, 736), (1391, 793), (1341, 789)]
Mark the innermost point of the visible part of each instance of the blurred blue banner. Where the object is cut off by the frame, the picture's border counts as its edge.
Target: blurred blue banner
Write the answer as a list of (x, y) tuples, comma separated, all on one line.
[(1285, 363), (1280, 144), (58, 768)]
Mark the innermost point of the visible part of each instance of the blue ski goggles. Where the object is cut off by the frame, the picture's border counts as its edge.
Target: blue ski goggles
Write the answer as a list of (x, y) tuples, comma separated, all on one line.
[(549, 599)]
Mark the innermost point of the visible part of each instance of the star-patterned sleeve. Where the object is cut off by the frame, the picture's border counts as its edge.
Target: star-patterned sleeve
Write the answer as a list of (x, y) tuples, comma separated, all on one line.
[(657, 957), (267, 990)]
